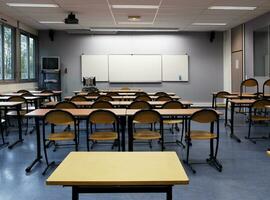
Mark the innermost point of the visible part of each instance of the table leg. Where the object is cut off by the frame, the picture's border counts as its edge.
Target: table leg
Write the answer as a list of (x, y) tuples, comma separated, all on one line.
[(226, 111), (123, 128), (232, 124), (130, 135), (75, 194), (20, 139), (38, 156), (169, 193)]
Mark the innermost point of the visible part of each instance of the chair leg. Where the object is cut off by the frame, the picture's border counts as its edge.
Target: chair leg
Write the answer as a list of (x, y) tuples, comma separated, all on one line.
[(187, 158), (150, 143)]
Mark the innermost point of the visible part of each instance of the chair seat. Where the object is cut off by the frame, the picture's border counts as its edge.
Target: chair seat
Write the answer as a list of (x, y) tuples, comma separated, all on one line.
[(14, 113), (202, 135), (103, 136), (221, 105), (260, 118), (146, 135), (172, 121), (61, 136)]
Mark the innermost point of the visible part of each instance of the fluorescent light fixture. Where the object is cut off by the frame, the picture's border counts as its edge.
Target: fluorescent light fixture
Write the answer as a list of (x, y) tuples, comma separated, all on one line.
[(130, 23), (134, 29), (33, 5), (232, 7), (209, 24), (135, 6), (51, 22)]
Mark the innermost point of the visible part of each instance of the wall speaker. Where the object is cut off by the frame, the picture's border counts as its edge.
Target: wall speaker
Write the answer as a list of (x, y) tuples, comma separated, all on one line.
[(212, 36), (51, 35)]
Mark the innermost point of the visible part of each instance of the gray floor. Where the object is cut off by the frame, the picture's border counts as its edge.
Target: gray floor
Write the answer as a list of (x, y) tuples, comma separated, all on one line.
[(245, 175)]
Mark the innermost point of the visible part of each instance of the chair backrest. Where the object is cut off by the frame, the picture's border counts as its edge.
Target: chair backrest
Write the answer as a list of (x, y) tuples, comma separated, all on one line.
[(23, 91), (102, 117), (78, 98), (125, 88), (143, 98), (140, 93), (140, 105), (173, 105), (265, 84), (222, 94), (204, 116), (248, 83), (66, 105), (59, 117), (164, 98), (260, 104), (102, 104), (147, 116), (161, 94), (104, 98), (93, 94), (17, 98), (112, 94), (46, 91)]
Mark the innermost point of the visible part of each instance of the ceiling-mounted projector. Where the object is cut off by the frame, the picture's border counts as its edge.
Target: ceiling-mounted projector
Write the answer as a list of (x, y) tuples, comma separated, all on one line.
[(71, 19)]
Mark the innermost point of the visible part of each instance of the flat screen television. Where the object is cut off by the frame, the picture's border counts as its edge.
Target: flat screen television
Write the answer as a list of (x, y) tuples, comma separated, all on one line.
[(50, 63)]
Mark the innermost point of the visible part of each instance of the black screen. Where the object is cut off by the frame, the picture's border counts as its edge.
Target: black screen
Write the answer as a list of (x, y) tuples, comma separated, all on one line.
[(50, 63)]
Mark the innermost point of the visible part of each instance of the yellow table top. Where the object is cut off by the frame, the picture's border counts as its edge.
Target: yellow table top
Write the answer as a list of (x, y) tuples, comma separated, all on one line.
[(119, 168)]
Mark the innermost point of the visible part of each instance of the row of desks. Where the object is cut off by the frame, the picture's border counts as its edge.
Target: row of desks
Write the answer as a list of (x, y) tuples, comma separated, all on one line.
[(123, 114), (122, 93)]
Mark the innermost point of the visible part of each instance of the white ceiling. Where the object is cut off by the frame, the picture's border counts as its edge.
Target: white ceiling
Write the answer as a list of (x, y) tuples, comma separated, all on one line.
[(171, 14)]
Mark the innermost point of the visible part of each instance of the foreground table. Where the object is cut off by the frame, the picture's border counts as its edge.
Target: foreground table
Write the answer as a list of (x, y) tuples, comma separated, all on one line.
[(119, 172)]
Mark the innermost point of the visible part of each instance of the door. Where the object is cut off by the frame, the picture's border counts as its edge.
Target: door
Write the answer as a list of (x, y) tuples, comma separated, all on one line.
[(237, 70)]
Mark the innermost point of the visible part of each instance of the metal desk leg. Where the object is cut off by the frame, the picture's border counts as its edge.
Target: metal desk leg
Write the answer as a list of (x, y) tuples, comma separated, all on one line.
[(20, 139), (130, 135), (38, 156), (123, 130), (75, 194), (226, 111), (232, 124), (169, 193)]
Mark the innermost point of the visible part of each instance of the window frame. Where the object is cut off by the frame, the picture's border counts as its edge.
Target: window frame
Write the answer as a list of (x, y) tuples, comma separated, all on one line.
[(36, 64), (13, 55)]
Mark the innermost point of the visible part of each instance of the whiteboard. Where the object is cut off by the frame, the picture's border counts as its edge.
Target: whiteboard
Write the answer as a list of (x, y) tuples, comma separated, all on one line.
[(95, 65), (174, 67), (135, 68)]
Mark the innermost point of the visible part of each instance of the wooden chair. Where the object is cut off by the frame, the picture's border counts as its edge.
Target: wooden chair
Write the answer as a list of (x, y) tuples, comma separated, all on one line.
[(147, 117), (265, 85), (58, 118), (24, 110), (78, 98), (104, 98), (112, 94), (249, 83), (125, 88), (66, 105), (161, 94), (257, 113), (103, 117), (204, 116), (23, 91), (219, 96), (143, 98), (51, 98), (164, 98), (102, 104), (93, 94), (174, 121), (140, 105), (140, 93)]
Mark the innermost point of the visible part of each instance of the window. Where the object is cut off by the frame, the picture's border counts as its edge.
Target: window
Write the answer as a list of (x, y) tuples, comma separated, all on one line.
[(27, 57), (6, 53)]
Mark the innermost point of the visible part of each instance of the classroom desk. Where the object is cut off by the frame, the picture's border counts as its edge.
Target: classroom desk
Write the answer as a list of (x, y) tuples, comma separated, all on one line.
[(234, 103), (16, 105), (120, 172), (122, 98), (119, 90), (122, 93), (39, 114), (185, 113), (116, 103)]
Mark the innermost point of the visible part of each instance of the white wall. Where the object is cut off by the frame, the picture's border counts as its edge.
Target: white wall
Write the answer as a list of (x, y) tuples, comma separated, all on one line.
[(13, 87)]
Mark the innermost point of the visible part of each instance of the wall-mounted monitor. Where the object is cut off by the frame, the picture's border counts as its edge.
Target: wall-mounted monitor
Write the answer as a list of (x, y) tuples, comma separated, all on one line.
[(89, 81), (50, 63)]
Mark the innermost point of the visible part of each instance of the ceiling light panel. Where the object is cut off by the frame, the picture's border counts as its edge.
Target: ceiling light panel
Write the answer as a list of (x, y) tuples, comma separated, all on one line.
[(208, 24), (51, 22), (33, 5), (232, 7), (135, 6)]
